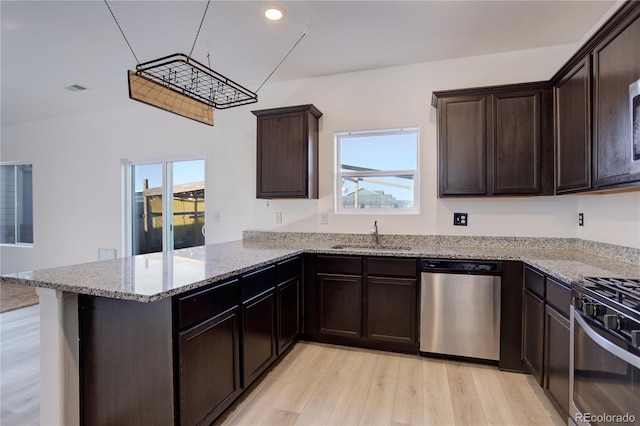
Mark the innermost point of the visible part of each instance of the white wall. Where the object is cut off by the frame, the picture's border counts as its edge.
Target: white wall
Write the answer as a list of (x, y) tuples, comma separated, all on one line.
[(78, 185)]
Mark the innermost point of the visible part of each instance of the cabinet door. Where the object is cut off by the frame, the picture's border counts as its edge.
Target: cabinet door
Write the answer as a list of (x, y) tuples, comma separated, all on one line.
[(391, 309), (282, 155), (573, 129), (209, 362), (287, 154), (340, 305), (462, 144), (556, 369), (258, 335), (533, 334), (288, 313), (616, 64), (517, 143)]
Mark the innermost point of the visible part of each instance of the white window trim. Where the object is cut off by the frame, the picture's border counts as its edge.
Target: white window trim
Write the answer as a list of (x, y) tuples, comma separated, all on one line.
[(338, 175), (15, 164), (126, 191)]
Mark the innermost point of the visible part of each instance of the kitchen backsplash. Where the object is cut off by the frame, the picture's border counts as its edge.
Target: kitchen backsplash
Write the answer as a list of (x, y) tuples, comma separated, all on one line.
[(617, 252)]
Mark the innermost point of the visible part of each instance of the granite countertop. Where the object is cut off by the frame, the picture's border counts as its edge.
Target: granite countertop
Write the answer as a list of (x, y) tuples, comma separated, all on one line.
[(151, 277)]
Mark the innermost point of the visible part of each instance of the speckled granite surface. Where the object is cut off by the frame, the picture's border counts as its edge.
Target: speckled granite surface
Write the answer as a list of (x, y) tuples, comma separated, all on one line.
[(151, 277), (146, 278)]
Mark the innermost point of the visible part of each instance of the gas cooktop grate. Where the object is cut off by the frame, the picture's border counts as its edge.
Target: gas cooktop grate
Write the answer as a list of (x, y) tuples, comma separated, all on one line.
[(623, 290)]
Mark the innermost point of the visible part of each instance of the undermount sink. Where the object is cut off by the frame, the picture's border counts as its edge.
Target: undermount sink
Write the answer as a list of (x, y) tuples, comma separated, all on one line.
[(371, 247)]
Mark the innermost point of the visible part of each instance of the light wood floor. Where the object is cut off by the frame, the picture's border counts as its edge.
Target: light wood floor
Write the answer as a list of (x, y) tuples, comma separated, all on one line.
[(320, 384), (20, 367)]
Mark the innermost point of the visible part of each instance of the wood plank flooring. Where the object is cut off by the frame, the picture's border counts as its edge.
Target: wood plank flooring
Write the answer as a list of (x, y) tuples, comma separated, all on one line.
[(317, 384), (20, 367)]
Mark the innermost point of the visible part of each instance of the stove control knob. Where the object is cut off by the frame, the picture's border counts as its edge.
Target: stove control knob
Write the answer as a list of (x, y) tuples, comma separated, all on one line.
[(593, 309), (612, 322), (635, 338), (577, 302)]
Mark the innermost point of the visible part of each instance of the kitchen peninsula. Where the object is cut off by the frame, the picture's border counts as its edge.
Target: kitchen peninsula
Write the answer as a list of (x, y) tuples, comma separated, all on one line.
[(169, 289)]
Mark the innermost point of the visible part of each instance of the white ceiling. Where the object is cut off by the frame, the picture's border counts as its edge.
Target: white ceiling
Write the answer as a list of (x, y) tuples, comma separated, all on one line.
[(47, 45)]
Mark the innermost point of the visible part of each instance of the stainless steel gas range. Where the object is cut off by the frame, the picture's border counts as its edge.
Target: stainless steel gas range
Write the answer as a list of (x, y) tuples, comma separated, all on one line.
[(605, 352)]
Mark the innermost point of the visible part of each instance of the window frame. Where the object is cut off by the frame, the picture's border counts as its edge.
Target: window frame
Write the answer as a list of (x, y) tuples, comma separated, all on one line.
[(339, 174), (17, 207), (167, 202)]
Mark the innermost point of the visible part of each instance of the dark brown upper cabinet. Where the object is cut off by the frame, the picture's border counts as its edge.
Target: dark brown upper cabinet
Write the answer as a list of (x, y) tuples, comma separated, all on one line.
[(495, 140), (616, 64), (572, 97), (287, 160)]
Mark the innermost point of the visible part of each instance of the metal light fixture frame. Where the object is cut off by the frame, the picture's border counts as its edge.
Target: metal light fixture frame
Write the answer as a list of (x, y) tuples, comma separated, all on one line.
[(190, 78)]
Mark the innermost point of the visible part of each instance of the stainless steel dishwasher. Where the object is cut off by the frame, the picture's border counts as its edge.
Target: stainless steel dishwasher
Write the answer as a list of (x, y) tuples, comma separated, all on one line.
[(460, 308)]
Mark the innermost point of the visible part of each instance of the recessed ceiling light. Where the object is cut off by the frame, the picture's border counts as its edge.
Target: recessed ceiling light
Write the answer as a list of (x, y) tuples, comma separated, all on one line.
[(274, 13)]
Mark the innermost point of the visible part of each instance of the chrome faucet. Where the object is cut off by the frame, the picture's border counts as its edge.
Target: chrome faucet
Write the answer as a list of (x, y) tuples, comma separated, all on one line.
[(374, 232)]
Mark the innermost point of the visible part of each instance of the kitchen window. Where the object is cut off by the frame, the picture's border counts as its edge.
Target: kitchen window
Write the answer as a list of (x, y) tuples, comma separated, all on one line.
[(16, 211), (377, 171), (165, 205)]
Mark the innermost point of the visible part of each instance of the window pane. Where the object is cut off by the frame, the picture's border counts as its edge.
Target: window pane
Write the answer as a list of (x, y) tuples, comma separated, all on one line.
[(378, 192), (147, 208), (378, 151), (24, 208), (8, 205), (188, 203)]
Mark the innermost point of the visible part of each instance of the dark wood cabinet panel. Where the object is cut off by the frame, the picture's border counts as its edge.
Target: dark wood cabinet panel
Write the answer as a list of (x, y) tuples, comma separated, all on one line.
[(126, 361), (340, 305), (392, 309), (287, 152), (209, 362), (533, 334), (258, 335), (511, 289), (392, 267), (288, 313), (517, 142), (197, 306), (616, 64), (572, 95), (462, 144), (556, 371), (495, 140)]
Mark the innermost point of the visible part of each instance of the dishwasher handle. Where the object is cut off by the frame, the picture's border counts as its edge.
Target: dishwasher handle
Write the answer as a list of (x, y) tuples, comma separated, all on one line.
[(461, 266)]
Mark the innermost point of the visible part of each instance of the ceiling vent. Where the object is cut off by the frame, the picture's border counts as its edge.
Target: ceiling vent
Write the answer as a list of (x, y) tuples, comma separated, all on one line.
[(75, 88)]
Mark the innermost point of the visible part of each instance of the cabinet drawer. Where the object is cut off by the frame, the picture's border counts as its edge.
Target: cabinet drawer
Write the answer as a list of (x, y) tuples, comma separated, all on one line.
[(386, 266), (559, 296), (197, 306), (350, 265), (534, 281), (256, 281), (288, 269)]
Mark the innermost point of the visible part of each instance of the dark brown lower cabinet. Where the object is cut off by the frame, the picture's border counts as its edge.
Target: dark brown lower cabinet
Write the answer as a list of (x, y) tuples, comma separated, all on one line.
[(392, 309), (556, 372), (209, 360), (533, 334), (258, 335), (126, 362), (288, 313), (340, 305)]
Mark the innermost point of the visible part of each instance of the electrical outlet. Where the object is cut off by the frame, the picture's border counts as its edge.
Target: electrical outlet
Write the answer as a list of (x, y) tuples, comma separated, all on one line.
[(278, 218), (460, 219), (324, 218), (580, 219)]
